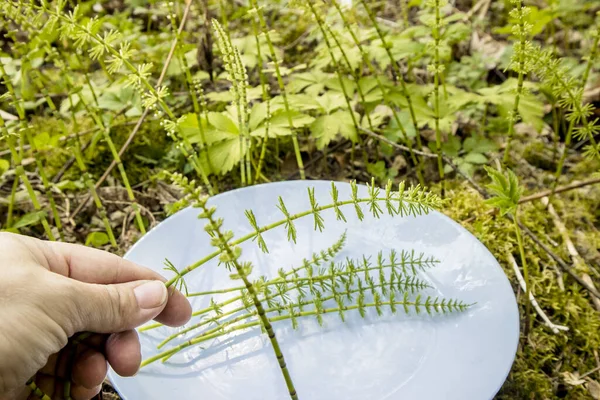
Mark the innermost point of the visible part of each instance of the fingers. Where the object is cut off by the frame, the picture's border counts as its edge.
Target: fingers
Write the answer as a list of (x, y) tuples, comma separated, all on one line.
[(123, 353), (111, 308), (90, 369), (95, 266), (82, 393)]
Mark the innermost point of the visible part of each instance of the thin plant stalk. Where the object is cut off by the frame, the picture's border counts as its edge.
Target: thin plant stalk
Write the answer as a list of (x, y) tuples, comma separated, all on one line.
[(398, 75), (25, 128), (591, 57), (77, 151), (20, 172), (525, 270), (265, 31), (407, 304), (406, 205), (382, 89), (402, 282), (105, 130), (193, 87), (265, 95), (215, 231), (11, 201), (521, 69), (436, 89), (337, 68)]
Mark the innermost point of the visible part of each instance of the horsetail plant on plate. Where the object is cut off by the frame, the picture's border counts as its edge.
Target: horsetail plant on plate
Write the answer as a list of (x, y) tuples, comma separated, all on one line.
[(319, 285)]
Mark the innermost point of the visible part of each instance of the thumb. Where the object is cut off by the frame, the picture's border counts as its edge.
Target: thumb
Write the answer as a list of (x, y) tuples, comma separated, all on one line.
[(119, 307)]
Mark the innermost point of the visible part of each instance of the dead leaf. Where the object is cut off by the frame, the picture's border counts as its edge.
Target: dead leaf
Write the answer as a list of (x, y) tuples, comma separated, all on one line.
[(572, 378), (594, 388)]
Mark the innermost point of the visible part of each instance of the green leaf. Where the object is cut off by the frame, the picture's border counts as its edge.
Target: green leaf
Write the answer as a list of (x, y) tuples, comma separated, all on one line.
[(479, 144), (450, 147), (4, 165), (476, 158), (466, 168), (280, 125), (531, 109), (97, 239), (223, 123), (69, 185), (32, 218), (223, 155), (505, 190), (327, 127)]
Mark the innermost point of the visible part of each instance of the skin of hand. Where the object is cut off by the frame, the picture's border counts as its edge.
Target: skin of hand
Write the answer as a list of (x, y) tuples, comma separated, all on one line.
[(51, 291)]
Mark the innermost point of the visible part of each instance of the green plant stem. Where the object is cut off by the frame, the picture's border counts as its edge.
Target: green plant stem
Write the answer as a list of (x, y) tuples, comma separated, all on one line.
[(591, 58), (41, 171), (265, 31), (265, 95), (335, 63), (293, 217), (407, 284), (436, 89), (36, 391), (407, 304), (196, 105), (369, 64), (20, 172), (111, 50), (11, 201), (86, 176), (398, 73), (525, 271), (521, 66), (105, 129), (264, 320)]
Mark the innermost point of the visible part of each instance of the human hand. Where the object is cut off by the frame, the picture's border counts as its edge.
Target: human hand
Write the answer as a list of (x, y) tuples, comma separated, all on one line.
[(51, 291)]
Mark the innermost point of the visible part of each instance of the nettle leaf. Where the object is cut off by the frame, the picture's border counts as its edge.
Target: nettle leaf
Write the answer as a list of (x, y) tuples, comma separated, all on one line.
[(326, 128), (531, 109), (29, 219), (97, 239)]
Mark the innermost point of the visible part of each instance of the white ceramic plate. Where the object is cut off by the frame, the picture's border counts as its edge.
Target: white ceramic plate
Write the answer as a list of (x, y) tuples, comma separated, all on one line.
[(464, 356)]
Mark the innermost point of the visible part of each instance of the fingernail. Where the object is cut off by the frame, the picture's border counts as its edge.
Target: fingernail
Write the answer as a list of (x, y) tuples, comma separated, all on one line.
[(150, 295)]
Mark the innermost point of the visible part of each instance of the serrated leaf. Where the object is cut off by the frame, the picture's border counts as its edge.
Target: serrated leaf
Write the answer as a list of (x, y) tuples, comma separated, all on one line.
[(224, 155), (327, 127)]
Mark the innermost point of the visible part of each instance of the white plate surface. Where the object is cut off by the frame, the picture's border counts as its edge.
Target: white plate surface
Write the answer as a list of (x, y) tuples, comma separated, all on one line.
[(464, 356)]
